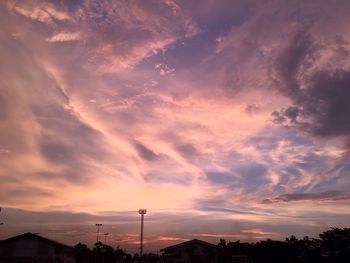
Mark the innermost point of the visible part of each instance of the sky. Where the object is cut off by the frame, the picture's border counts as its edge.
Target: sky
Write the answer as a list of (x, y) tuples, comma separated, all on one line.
[(225, 119)]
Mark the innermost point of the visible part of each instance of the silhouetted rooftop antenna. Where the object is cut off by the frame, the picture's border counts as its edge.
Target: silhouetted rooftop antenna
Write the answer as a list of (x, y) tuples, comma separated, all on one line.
[(142, 212)]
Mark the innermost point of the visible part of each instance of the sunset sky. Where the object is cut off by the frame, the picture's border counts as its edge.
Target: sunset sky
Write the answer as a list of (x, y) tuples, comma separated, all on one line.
[(225, 119)]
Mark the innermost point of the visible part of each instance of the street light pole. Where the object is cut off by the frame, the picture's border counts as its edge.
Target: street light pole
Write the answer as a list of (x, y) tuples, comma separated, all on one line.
[(142, 212), (98, 231), (104, 247), (97, 236)]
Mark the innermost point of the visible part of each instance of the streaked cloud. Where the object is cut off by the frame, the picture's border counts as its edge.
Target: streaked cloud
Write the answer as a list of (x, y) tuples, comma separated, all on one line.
[(63, 36), (323, 196), (44, 12)]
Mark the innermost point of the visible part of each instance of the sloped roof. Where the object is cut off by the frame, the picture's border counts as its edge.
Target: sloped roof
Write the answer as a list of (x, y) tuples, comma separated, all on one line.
[(34, 236), (190, 242)]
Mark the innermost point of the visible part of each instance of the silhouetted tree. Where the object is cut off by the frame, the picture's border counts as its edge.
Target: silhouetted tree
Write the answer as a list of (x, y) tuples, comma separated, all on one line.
[(82, 253), (108, 254), (97, 252), (102, 252), (224, 253), (121, 255), (150, 258), (332, 247), (335, 245), (270, 251)]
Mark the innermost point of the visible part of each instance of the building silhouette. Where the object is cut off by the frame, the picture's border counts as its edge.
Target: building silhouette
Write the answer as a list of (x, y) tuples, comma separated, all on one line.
[(193, 251), (33, 248)]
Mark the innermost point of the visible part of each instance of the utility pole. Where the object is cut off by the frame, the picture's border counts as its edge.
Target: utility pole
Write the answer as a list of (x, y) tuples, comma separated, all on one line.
[(142, 212)]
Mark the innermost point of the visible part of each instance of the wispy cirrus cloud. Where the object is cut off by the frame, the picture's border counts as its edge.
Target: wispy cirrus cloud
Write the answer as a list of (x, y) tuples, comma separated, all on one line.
[(322, 197), (117, 35), (43, 11)]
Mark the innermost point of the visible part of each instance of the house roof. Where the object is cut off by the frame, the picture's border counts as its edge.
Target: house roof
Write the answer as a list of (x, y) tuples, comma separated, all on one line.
[(190, 242), (34, 236)]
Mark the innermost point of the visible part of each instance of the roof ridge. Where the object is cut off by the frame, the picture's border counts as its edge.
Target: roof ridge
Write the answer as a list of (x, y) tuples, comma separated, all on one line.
[(35, 236), (187, 242)]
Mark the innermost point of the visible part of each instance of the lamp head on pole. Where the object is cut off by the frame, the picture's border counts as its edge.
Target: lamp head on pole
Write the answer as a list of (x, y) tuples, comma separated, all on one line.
[(142, 211)]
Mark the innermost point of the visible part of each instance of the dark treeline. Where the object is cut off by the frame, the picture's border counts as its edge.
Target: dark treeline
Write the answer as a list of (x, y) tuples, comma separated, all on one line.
[(332, 246), (102, 253)]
